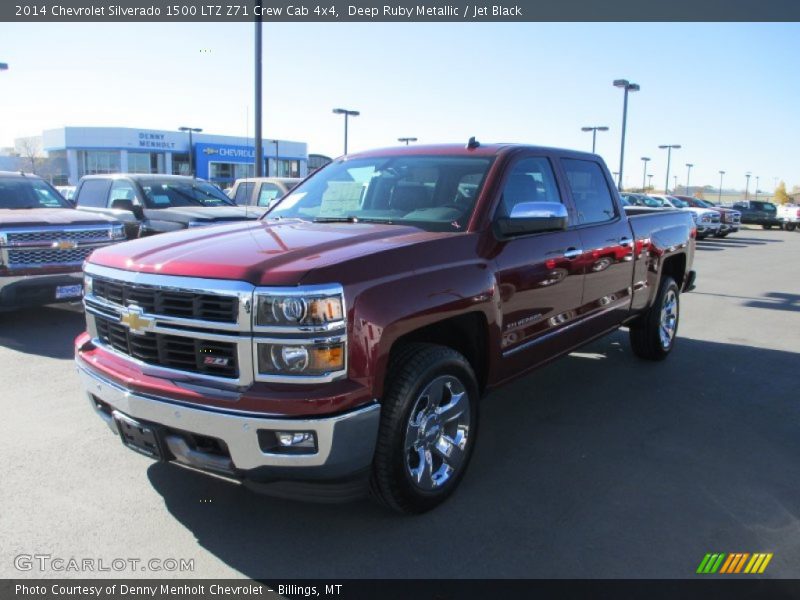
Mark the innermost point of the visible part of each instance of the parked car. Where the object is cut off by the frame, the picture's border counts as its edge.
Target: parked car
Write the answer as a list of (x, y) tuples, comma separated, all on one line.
[(68, 191), (730, 219), (758, 213), (263, 192), (149, 204), (44, 241), (789, 215), (708, 221), (346, 338)]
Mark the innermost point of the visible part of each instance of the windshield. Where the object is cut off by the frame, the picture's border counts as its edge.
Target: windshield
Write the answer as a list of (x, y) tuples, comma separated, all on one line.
[(650, 202), (678, 203), (25, 192), (435, 193), (167, 194)]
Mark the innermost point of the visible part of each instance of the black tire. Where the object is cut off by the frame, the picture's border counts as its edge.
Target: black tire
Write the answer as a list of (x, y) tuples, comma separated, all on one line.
[(702, 236), (721, 235), (412, 370), (645, 333), (767, 226), (790, 226)]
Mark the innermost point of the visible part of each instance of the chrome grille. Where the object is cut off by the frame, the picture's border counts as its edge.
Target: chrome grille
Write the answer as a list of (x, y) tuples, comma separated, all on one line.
[(41, 257), (171, 351), (48, 236), (172, 303)]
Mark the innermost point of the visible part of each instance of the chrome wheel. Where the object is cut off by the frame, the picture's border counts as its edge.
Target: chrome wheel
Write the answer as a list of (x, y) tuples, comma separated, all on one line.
[(669, 319), (437, 433)]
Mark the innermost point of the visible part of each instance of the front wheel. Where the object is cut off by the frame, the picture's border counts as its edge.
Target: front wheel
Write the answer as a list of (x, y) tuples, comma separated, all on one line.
[(722, 234), (653, 334), (790, 226), (429, 420)]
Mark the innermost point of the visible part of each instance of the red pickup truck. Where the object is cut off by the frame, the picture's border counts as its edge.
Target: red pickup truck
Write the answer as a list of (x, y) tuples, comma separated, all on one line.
[(343, 342)]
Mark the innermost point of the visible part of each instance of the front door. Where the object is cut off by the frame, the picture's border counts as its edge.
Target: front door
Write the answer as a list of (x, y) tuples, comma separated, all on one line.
[(539, 276)]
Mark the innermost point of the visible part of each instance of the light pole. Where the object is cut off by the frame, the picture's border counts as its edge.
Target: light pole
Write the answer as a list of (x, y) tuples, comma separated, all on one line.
[(645, 160), (669, 148), (719, 198), (406, 139), (628, 87), (191, 147), (747, 186), (757, 178), (650, 181), (258, 144), (688, 173), (594, 130), (277, 158), (347, 113)]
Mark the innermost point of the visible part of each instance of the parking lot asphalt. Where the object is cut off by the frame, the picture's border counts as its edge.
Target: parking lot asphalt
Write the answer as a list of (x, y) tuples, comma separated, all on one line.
[(599, 465)]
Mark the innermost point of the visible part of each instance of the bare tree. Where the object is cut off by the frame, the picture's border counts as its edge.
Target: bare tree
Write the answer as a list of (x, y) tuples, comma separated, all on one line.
[(30, 149)]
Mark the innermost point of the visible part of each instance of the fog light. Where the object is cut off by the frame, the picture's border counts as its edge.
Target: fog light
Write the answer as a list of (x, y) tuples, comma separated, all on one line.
[(287, 442), (297, 439)]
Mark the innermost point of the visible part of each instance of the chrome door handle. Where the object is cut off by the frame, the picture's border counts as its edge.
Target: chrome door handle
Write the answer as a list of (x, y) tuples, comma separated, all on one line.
[(625, 242), (572, 253)]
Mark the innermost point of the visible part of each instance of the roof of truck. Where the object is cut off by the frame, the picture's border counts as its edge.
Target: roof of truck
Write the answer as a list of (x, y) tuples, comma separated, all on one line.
[(463, 150)]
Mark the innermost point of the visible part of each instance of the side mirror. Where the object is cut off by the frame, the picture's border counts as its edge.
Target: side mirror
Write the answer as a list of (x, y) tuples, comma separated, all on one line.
[(127, 204), (532, 217)]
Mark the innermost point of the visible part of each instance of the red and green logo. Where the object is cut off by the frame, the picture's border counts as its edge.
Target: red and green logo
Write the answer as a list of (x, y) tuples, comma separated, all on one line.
[(739, 562)]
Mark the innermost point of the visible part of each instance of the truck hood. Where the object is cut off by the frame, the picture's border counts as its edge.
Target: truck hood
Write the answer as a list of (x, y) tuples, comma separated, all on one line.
[(260, 252), (36, 217), (212, 214)]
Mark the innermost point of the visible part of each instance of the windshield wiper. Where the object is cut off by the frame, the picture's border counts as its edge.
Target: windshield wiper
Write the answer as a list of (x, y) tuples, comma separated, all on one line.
[(352, 219)]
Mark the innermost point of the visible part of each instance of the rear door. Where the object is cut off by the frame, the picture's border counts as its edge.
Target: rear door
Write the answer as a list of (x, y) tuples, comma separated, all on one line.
[(539, 278), (606, 241)]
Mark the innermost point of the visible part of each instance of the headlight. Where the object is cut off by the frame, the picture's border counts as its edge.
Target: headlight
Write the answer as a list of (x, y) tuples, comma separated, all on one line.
[(298, 311), (87, 285), (291, 358), (117, 232)]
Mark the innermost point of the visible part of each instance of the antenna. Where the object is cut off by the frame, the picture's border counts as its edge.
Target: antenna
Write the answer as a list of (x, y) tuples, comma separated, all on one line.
[(473, 143)]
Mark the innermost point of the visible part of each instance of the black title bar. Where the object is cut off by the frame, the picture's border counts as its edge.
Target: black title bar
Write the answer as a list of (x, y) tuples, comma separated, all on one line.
[(403, 11)]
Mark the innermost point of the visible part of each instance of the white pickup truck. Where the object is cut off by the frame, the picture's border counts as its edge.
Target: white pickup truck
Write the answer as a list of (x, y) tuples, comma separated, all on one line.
[(789, 215)]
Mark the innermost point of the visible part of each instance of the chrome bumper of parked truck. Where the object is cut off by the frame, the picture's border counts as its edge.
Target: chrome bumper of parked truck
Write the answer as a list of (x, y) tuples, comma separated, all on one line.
[(344, 443)]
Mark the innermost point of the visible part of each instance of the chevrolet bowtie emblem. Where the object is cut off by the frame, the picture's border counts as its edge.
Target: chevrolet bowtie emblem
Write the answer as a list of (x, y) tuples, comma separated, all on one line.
[(134, 319), (64, 245)]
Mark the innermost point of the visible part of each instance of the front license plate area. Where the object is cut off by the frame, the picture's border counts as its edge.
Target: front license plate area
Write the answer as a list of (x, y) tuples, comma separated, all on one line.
[(141, 437), (68, 291)]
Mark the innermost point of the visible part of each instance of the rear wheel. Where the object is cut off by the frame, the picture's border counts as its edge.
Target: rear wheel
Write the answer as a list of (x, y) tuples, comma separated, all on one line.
[(653, 334), (790, 226), (429, 421)]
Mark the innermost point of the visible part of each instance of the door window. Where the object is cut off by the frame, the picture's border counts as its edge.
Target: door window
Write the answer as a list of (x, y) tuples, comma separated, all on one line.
[(94, 192), (587, 182), (530, 180), (268, 194), (122, 190), (243, 192)]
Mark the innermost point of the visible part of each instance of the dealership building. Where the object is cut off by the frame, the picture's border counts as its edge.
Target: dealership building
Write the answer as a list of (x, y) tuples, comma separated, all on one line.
[(79, 151)]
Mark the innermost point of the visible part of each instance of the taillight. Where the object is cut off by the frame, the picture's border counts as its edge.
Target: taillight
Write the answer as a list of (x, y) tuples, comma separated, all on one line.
[(693, 233), (798, 213)]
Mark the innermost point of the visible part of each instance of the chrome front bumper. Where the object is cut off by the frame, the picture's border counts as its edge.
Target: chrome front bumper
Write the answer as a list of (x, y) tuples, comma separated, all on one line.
[(345, 443)]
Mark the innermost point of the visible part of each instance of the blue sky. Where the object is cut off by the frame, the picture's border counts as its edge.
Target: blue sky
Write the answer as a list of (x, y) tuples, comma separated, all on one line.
[(728, 93)]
